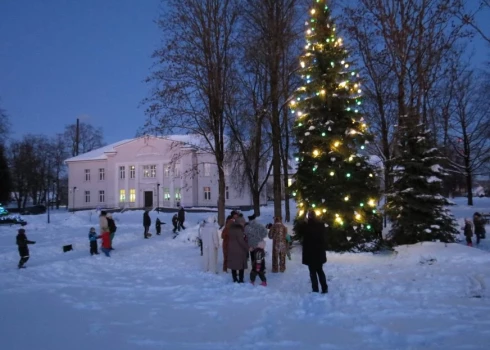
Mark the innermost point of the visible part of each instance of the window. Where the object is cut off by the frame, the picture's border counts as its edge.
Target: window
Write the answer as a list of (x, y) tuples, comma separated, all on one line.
[(87, 174), (178, 195), (166, 194), (166, 171), (122, 195), (132, 172), (227, 193), (150, 171), (122, 172), (87, 196), (132, 195), (101, 174), (207, 193), (207, 169), (101, 196), (177, 168)]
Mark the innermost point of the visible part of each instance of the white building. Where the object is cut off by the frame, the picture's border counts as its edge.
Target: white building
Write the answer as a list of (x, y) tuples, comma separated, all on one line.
[(151, 172)]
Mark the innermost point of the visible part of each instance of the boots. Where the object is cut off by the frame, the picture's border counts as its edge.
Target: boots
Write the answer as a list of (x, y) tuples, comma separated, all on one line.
[(264, 284)]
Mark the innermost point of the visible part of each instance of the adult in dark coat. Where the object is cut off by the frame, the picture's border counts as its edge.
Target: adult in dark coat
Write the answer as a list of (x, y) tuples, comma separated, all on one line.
[(22, 243), (479, 223), (146, 223), (237, 249), (314, 255), (181, 216)]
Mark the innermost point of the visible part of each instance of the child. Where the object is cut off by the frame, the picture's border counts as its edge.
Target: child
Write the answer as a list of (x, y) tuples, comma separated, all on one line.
[(92, 237), (289, 242), (175, 222), (468, 231), (258, 265), (111, 224), (158, 226), (22, 243), (106, 243)]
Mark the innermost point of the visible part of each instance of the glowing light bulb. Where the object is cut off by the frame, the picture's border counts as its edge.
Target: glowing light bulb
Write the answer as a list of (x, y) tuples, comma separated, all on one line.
[(316, 153), (346, 198), (371, 175), (332, 173), (362, 204), (301, 212), (348, 175), (313, 205), (302, 64), (358, 216), (372, 202), (318, 212), (336, 144), (324, 210), (313, 11)]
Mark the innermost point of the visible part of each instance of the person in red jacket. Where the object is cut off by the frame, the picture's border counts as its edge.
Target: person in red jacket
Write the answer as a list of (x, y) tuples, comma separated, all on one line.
[(106, 243)]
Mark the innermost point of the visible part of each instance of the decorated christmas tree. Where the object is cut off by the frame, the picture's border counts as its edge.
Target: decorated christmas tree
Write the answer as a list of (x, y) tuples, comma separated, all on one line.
[(415, 205), (334, 177)]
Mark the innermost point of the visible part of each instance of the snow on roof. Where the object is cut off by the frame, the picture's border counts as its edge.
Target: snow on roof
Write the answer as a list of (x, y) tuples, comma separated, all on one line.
[(99, 153)]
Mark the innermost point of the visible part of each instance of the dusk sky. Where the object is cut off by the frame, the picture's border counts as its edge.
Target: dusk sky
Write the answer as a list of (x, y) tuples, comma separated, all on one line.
[(63, 59)]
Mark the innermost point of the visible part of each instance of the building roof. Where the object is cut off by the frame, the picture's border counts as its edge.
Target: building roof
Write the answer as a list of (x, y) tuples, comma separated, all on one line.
[(101, 153)]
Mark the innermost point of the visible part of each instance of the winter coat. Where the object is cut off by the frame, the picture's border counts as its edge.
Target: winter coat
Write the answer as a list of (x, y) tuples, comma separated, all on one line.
[(103, 224), (22, 241), (208, 233), (158, 226), (259, 260), (111, 224), (175, 220), (314, 244), (146, 219), (479, 223), (468, 231), (225, 232), (181, 215), (237, 248), (106, 240), (278, 233), (255, 232), (92, 236)]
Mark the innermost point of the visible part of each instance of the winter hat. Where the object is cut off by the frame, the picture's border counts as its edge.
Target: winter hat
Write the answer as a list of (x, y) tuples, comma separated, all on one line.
[(252, 217), (109, 215), (103, 213), (92, 229), (21, 230), (261, 245), (240, 221)]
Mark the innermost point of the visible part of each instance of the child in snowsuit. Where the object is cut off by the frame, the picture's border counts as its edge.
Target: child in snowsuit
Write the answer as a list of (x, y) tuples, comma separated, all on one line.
[(106, 243), (258, 265), (22, 243), (468, 231), (92, 237), (158, 226), (175, 222)]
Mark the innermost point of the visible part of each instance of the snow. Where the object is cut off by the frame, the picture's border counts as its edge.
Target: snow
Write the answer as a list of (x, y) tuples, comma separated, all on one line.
[(99, 153), (151, 294)]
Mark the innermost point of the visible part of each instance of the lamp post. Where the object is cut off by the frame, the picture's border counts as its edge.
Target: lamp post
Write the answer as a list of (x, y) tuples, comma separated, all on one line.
[(158, 197), (74, 189)]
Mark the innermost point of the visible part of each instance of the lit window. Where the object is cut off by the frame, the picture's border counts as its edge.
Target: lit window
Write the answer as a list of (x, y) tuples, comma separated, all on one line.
[(87, 174), (132, 195), (101, 174), (207, 193), (178, 194), (87, 196), (101, 196), (150, 171), (122, 195), (132, 172), (166, 194), (122, 172)]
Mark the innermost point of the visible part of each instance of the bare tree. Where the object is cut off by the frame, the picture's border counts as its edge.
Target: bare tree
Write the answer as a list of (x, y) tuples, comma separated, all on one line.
[(4, 125), (469, 128), (58, 154), (194, 79), (468, 17), (89, 138)]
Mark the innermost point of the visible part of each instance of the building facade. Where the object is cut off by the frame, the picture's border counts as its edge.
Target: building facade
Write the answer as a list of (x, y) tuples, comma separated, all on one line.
[(150, 172)]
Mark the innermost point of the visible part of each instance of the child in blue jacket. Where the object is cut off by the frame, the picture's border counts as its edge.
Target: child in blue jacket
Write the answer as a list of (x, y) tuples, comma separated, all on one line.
[(92, 236)]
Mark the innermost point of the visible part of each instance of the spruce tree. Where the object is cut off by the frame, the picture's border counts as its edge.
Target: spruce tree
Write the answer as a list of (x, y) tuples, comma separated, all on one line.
[(415, 205), (5, 181), (334, 177)]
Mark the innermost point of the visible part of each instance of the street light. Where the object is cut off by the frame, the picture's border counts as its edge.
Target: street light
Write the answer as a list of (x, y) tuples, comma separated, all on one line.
[(158, 198)]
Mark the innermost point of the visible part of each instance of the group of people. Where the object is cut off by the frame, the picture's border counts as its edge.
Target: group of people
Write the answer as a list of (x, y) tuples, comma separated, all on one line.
[(478, 224), (244, 240), (108, 229)]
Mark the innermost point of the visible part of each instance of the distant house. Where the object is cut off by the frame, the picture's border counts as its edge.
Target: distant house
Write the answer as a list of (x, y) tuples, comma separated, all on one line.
[(150, 172)]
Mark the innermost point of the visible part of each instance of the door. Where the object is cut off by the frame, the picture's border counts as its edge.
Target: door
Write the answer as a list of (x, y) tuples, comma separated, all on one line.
[(148, 199)]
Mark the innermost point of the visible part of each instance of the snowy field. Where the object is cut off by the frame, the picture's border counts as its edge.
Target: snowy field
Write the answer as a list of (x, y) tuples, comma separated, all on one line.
[(151, 294)]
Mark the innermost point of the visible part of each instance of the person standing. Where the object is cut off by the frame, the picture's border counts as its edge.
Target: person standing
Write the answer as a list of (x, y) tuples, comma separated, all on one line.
[(181, 216), (111, 224), (22, 243), (258, 264), (158, 226), (255, 233), (103, 224), (225, 237), (208, 233), (146, 223), (92, 237), (479, 223), (237, 250), (278, 233), (314, 246), (468, 232)]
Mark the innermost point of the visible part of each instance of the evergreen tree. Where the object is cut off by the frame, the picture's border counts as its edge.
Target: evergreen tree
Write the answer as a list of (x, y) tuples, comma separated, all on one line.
[(5, 181), (415, 205), (334, 177)]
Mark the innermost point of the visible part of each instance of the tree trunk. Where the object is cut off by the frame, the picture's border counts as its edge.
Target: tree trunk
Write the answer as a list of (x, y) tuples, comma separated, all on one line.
[(221, 194), (469, 182), (256, 202)]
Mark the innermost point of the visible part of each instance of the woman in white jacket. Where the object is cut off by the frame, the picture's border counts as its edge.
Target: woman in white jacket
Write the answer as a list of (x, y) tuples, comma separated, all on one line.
[(208, 233)]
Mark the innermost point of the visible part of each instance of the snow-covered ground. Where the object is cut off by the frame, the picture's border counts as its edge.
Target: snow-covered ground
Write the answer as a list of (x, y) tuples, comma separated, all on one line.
[(151, 294)]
